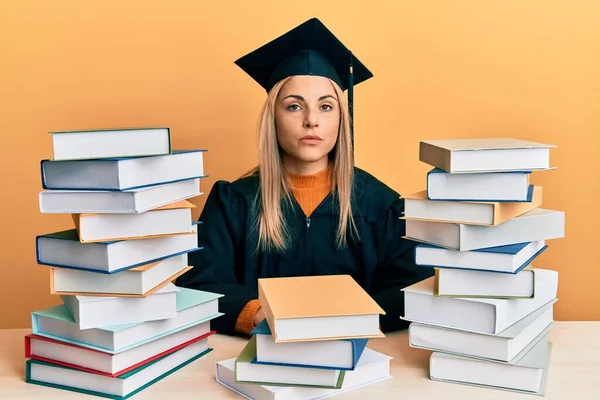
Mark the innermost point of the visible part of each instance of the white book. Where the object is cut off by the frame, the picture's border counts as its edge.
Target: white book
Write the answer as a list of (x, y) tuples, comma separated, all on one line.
[(96, 311), (194, 307), (140, 281), (481, 315), (504, 259), (79, 357), (372, 368), (108, 143), (538, 224), (527, 375), (117, 202), (172, 219), (465, 283), (493, 186), (64, 250), (504, 346), (485, 155), (123, 173), (47, 374)]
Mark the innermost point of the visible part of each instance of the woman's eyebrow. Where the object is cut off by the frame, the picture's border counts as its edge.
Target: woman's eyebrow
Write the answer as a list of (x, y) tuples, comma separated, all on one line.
[(327, 96), (298, 97)]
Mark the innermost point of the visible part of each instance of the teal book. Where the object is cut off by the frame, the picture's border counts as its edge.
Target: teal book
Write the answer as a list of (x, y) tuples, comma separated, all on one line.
[(194, 307), (122, 387)]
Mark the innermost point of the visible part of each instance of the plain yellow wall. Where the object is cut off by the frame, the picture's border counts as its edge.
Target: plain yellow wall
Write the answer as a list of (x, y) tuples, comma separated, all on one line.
[(443, 69)]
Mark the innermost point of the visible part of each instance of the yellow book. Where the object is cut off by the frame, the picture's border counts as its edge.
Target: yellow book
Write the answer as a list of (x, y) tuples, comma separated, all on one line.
[(326, 307)]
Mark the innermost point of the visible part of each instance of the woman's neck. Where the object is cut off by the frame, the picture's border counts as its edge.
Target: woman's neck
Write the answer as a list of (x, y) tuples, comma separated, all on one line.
[(310, 190), (298, 167), (319, 180)]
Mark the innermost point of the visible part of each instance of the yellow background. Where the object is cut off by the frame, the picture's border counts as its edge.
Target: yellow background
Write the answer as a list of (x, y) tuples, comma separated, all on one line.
[(443, 69)]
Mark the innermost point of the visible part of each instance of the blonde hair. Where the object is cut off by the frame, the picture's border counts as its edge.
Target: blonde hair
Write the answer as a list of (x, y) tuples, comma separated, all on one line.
[(274, 188)]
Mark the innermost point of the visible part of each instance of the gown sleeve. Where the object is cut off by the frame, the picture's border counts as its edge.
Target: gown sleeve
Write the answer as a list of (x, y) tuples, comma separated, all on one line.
[(218, 266), (396, 268)]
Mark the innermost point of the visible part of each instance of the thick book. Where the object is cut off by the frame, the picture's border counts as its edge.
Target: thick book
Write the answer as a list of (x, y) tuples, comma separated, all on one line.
[(504, 346), (108, 143), (194, 307), (277, 375), (538, 224), (135, 282), (341, 354), (97, 311), (417, 207), (171, 219), (102, 363), (485, 155), (508, 259), (116, 174), (527, 374), (63, 249), (337, 307), (118, 388), (480, 315), (374, 367), (491, 186), (464, 283), (129, 201)]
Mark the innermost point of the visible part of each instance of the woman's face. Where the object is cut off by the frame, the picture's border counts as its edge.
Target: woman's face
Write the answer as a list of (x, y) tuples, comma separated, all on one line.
[(307, 118)]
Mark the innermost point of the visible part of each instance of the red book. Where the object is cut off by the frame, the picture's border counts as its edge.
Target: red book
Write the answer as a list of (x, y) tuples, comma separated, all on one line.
[(103, 363)]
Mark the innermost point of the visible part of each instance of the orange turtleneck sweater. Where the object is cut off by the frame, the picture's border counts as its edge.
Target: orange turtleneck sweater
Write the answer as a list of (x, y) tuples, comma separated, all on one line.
[(309, 191)]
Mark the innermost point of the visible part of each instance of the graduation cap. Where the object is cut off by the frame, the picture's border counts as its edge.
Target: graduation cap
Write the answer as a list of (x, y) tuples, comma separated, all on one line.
[(308, 49)]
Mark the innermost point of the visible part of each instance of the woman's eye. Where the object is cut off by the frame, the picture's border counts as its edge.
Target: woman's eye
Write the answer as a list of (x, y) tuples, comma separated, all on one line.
[(326, 107), (293, 107)]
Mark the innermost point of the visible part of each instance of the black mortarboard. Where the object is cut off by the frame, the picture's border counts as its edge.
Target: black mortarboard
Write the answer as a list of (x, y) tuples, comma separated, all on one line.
[(308, 49)]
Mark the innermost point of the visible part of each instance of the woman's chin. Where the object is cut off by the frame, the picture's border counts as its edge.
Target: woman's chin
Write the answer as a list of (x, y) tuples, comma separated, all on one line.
[(309, 157)]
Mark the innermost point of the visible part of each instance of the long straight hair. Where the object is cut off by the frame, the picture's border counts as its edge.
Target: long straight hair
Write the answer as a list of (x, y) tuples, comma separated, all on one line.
[(275, 189)]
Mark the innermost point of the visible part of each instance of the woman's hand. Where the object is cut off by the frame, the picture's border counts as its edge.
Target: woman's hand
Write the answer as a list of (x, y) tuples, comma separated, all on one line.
[(259, 316)]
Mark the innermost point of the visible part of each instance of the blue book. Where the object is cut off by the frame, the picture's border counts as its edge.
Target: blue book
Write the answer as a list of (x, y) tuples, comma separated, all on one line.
[(503, 259), (509, 186), (134, 201), (342, 354), (123, 173), (64, 250)]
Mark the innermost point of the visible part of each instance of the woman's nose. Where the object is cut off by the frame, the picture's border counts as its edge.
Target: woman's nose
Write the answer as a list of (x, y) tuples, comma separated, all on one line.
[(310, 120)]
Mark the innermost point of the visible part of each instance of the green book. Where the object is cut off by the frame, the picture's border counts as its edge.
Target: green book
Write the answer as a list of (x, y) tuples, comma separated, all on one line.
[(122, 387), (248, 371)]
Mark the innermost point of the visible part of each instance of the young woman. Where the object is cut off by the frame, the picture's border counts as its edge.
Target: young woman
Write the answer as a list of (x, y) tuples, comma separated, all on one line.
[(305, 210)]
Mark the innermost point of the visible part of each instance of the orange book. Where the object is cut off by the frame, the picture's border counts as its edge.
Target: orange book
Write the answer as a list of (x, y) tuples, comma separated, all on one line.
[(311, 308), (171, 219), (141, 281), (417, 207)]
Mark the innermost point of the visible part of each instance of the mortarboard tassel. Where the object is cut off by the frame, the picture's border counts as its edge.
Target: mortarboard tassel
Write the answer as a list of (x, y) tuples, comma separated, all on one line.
[(351, 101)]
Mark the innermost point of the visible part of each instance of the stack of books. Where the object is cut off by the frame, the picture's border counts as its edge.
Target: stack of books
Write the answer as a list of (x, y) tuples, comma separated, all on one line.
[(487, 312), (122, 325), (312, 343)]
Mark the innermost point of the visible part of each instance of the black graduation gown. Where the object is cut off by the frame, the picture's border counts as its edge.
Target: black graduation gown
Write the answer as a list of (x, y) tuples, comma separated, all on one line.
[(381, 262)]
